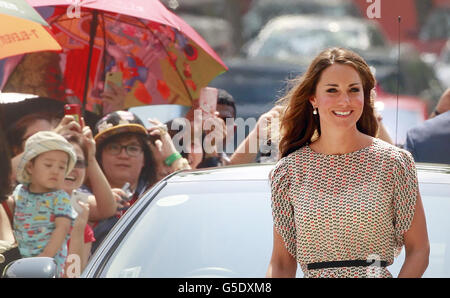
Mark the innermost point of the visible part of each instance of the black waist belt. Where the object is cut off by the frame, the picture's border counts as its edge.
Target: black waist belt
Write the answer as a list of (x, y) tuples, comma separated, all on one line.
[(348, 263)]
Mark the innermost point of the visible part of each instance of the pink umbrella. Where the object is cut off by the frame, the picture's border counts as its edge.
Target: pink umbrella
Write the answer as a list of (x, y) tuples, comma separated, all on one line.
[(156, 56)]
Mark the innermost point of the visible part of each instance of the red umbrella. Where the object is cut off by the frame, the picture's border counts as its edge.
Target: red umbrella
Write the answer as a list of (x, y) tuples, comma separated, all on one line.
[(145, 48)]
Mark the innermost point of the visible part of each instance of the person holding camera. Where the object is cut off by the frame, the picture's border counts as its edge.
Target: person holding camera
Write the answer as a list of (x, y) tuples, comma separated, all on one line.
[(131, 157)]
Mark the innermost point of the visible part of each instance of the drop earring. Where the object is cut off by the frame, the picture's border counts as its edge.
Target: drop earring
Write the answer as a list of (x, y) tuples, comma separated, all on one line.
[(315, 111)]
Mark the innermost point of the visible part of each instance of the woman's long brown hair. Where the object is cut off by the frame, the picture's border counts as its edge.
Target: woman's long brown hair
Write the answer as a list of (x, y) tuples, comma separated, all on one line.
[(298, 124)]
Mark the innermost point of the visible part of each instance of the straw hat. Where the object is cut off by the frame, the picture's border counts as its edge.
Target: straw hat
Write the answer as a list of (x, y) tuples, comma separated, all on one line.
[(116, 123)]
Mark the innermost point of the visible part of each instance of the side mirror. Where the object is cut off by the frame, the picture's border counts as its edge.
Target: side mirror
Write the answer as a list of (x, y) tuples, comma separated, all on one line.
[(36, 267)]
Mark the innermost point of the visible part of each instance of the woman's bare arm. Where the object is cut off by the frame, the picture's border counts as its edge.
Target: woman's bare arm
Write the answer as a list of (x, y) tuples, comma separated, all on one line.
[(282, 263), (417, 246)]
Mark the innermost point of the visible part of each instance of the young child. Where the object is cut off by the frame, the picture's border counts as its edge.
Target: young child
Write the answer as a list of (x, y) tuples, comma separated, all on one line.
[(43, 213)]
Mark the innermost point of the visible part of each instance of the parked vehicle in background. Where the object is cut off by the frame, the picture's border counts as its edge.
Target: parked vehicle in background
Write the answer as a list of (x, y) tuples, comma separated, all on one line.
[(411, 75), (217, 223), (256, 84), (413, 80), (436, 31), (213, 8), (225, 40), (262, 11), (442, 66), (301, 37), (218, 32)]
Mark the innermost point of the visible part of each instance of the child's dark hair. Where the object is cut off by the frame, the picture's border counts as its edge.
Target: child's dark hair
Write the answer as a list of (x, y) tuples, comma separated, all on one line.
[(225, 98), (16, 131)]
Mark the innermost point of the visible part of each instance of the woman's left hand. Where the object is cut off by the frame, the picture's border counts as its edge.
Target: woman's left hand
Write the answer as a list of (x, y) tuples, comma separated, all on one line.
[(67, 126), (216, 133), (119, 194)]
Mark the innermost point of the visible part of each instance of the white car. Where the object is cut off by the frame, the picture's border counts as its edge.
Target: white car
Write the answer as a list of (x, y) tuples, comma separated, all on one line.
[(302, 37), (217, 223), (262, 11)]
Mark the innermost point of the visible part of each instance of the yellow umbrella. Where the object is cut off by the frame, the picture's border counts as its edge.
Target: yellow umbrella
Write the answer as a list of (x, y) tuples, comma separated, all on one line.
[(22, 31)]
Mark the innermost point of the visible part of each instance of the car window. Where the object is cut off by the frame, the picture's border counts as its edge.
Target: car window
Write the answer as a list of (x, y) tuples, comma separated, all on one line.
[(195, 235)]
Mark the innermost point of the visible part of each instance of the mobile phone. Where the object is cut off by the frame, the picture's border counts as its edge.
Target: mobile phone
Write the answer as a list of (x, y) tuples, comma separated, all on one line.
[(208, 101), (126, 189), (114, 77), (73, 110), (76, 197)]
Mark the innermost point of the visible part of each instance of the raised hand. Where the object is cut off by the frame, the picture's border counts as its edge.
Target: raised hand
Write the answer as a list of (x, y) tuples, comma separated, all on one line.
[(68, 126)]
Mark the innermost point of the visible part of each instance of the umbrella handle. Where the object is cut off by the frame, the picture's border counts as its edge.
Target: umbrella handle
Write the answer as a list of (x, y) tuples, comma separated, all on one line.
[(93, 31)]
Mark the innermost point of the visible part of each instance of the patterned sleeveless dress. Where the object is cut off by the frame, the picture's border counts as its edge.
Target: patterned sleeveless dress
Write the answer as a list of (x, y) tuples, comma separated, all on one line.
[(353, 206)]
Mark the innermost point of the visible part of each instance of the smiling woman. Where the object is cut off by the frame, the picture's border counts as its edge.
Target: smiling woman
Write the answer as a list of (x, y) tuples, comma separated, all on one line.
[(339, 99), (342, 199), (125, 156), (100, 205), (123, 151), (348, 83), (131, 158)]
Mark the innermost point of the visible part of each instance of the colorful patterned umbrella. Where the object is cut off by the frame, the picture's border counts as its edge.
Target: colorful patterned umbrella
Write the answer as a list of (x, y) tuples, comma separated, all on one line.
[(138, 44), (21, 30)]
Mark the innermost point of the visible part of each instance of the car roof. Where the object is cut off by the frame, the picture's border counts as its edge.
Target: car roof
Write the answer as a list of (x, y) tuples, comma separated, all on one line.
[(288, 21), (309, 21), (263, 66), (323, 2), (427, 172), (226, 173)]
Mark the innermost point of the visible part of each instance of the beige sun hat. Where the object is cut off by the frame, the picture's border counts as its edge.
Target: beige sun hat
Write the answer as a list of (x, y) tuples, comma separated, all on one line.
[(42, 142)]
